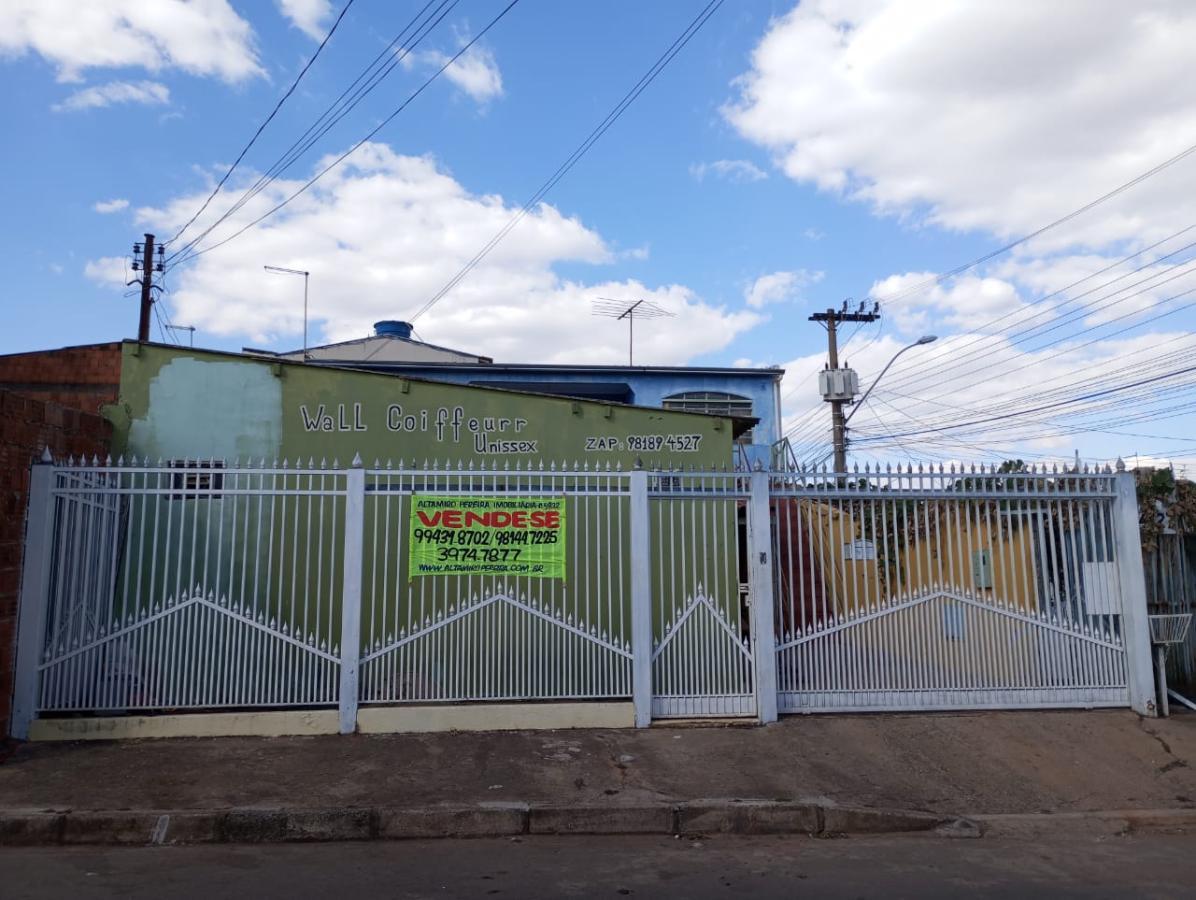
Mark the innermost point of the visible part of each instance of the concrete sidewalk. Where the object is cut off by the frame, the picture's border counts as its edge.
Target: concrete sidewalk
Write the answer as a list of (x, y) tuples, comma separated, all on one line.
[(1000, 764)]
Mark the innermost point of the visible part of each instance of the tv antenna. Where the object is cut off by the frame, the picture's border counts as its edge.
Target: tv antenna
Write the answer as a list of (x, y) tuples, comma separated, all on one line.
[(630, 310), (175, 329)]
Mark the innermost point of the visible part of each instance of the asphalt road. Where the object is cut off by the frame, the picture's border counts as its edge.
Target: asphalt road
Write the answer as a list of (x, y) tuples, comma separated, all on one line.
[(723, 867)]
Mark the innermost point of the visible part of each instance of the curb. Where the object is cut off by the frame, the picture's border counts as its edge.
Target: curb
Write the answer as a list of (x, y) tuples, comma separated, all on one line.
[(249, 825), (1094, 824), (713, 816)]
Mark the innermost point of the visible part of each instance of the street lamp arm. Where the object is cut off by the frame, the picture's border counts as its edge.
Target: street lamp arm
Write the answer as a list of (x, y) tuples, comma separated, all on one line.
[(927, 339)]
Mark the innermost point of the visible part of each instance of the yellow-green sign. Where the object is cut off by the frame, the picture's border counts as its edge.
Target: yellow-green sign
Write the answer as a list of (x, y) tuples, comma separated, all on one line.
[(487, 536)]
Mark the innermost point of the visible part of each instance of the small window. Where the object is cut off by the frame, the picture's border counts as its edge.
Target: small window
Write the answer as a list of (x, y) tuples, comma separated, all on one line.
[(197, 480), (713, 403)]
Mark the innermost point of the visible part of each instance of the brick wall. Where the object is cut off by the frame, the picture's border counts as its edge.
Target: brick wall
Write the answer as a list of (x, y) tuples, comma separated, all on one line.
[(82, 378), (26, 426)]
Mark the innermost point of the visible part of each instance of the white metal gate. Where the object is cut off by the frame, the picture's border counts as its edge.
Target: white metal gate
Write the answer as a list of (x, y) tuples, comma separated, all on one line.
[(476, 637), (702, 659), (942, 589), (190, 586)]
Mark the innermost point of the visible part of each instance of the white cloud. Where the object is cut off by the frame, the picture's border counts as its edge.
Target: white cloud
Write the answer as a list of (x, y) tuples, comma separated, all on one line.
[(966, 303), (202, 37), (738, 170), (383, 232), (148, 93), (107, 270), (476, 73), (813, 234), (778, 286), (110, 206), (307, 15), (980, 115)]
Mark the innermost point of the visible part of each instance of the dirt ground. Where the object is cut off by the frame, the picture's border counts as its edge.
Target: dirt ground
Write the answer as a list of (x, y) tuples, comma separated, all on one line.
[(977, 763)]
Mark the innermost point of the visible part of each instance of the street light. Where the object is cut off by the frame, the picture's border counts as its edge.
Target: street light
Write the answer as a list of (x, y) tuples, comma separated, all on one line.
[(279, 270), (925, 339)]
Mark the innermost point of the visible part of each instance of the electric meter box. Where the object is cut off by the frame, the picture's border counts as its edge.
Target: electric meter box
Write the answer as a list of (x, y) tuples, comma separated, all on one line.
[(838, 384)]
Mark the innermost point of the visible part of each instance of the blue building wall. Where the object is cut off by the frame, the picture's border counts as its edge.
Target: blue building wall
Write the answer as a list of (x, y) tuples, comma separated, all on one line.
[(648, 386)]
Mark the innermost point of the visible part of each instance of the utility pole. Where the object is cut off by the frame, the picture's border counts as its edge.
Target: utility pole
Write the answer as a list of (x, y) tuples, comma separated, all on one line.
[(147, 267), (839, 386)]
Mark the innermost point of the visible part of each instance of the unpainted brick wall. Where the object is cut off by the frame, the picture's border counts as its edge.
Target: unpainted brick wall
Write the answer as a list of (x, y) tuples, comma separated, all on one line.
[(85, 378), (27, 426)]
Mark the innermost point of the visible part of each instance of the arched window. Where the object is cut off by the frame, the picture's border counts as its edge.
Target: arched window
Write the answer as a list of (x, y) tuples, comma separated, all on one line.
[(715, 403)]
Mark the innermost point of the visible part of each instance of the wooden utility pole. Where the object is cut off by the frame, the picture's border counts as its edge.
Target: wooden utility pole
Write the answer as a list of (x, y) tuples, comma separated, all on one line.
[(146, 266), (831, 319)]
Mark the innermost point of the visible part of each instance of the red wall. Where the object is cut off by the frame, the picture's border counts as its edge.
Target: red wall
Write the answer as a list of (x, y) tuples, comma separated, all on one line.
[(26, 427), (83, 378)]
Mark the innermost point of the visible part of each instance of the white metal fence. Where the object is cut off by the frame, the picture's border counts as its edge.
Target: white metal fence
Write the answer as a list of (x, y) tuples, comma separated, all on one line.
[(915, 589), (204, 585)]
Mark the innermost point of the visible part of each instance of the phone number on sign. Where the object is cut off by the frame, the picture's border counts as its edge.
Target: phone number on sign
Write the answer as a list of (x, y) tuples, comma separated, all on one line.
[(678, 443), (482, 538), (478, 554)]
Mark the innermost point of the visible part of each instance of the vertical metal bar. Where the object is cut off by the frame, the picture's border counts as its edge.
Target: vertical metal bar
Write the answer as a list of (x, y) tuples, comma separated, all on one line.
[(760, 586), (36, 566), (351, 595), (641, 599), (1132, 580)]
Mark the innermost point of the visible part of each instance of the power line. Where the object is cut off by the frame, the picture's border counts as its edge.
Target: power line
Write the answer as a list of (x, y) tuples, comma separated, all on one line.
[(1105, 337), (1055, 405), (1032, 362), (920, 371), (1071, 315), (578, 153), (262, 127), (332, 115), (939, 279), (336, 162)]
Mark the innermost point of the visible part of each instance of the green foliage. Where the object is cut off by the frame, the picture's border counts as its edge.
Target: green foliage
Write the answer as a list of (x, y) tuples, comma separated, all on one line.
[(1163, 502)]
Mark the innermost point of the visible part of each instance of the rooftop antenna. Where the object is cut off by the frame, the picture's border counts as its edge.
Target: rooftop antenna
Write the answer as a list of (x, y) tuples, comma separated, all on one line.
[(188, 328), (279, 270), (630, 310)]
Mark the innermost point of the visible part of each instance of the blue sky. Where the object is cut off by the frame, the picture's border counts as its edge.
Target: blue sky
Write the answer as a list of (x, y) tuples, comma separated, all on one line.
[(787, 159)]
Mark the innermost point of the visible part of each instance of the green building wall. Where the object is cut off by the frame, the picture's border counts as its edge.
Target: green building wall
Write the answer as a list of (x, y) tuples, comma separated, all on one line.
[(179, 403)]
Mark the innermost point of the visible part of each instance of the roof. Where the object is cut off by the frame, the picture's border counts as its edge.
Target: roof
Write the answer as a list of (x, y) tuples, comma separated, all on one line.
[(739, 424), (381, 341), (734, 371)]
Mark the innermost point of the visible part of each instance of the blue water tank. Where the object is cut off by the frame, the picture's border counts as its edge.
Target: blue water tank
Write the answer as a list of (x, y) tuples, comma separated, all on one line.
[(393, 328)]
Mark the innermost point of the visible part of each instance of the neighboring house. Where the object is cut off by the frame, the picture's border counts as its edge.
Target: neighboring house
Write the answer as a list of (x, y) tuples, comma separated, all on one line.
[(391, 342), (739, 393)]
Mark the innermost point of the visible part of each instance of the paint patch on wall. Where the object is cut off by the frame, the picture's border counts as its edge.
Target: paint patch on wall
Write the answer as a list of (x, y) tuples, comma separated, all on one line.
[(210, 410)]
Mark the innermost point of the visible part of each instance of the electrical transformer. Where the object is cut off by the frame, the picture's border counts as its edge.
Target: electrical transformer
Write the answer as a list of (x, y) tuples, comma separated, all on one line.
[(838, 384)]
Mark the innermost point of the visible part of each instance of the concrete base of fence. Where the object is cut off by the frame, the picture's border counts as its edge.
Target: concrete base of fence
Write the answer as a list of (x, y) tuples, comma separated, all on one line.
[(271, 723), (752, 817), (370, 720), (494, 717), (35, 827)]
